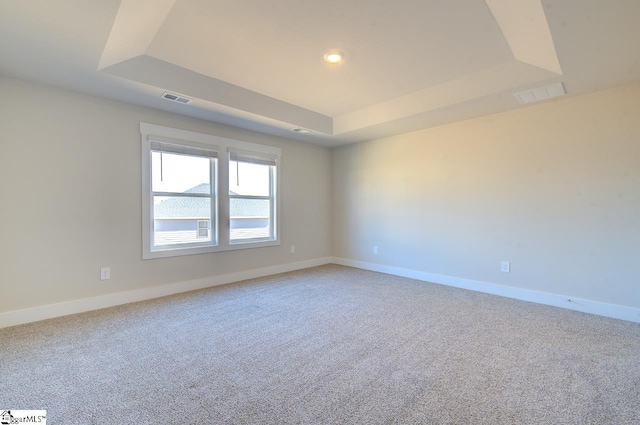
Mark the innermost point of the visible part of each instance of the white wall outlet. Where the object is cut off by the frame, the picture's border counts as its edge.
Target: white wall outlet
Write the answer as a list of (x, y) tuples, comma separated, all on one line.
[(293, 249), (505, 267), (105, 273), (375, 250)]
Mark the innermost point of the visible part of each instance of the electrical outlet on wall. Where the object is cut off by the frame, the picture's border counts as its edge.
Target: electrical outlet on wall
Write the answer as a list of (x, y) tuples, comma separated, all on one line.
[(375, 250), (105, 273), (293, 249), (505, 267)]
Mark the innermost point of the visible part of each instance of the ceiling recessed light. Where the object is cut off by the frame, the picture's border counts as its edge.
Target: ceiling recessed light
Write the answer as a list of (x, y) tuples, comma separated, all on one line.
[(333, 57)]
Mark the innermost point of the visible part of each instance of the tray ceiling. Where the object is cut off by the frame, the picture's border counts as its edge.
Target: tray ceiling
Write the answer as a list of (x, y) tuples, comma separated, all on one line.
[(259, 65)]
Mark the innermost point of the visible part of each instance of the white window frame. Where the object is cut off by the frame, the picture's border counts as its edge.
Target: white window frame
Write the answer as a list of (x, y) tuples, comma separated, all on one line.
[(220, 224)]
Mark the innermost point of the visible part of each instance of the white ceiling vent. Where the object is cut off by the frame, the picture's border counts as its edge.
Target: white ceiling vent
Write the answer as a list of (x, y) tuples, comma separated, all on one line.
[(541, 93), (176, 98)]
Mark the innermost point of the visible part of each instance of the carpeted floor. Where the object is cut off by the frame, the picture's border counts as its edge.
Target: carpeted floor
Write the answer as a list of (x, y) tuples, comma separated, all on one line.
[(328, 345)]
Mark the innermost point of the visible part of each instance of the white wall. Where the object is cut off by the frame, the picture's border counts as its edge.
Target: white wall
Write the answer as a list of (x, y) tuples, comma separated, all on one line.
[(71, 199), (554, 188)]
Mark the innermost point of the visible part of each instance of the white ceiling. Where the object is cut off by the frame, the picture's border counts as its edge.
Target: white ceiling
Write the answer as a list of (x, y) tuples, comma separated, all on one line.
[(258, 64)]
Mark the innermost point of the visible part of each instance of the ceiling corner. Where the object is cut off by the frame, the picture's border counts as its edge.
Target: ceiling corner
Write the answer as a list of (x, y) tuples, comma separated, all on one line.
[(134, 28), (526, 29)]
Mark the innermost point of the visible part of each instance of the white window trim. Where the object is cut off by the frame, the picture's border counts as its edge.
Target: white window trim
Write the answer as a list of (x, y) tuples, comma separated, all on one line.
[(223, 146)]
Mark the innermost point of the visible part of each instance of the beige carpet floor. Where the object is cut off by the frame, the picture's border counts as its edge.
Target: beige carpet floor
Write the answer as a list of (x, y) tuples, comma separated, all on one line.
[(328, 345)]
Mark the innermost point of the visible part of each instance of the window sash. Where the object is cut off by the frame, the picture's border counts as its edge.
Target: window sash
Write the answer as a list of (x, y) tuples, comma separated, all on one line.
[(272, 207), (191, 150), (213, 241)]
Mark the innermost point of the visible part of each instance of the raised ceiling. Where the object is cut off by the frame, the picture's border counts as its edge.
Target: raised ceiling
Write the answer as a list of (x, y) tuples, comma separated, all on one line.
[(259, 64)]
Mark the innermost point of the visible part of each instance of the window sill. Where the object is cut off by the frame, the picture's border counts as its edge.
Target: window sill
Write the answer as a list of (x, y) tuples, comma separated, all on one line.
[(179, 252)]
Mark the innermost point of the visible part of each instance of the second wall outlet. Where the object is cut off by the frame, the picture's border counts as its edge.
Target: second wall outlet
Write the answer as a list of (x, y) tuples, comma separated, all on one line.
[(105, 273), (293, 249), (505, 267), (375, 250)]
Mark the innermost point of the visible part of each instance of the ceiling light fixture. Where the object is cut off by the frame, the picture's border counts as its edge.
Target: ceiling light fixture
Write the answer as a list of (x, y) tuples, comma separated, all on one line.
[(300, 130), (334, 57)]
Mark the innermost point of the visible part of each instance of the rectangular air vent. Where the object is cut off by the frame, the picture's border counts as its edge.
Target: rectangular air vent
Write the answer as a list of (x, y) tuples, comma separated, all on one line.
[(541, 93), (176, 98)]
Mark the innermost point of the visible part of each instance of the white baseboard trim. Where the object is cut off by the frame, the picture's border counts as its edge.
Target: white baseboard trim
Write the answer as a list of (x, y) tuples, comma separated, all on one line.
[(586, 306), (35, 314)]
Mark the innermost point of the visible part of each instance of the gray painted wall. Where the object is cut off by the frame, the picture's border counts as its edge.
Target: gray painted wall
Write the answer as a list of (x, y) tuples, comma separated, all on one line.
[(554, 188), (71, 187)]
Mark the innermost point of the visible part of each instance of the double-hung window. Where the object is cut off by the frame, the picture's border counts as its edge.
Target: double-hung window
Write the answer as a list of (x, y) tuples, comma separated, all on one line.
[(185, 208), (182, 198), (252, 196)]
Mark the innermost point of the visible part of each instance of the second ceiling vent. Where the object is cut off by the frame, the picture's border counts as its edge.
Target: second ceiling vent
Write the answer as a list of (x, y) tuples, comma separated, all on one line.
[(176, 98), (541, 93)]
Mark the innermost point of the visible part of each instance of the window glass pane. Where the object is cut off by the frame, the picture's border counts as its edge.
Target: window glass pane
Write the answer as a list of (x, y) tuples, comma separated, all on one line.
[(180, 173), (250, 218), (248, 179), (181, 219)]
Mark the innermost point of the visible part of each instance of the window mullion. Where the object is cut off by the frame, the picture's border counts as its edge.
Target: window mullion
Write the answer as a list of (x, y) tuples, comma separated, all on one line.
[(272, 203), (213, 191), (224, 220)]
